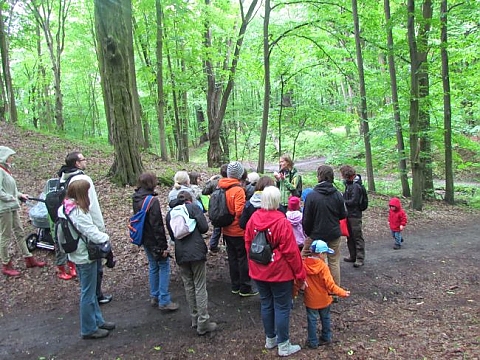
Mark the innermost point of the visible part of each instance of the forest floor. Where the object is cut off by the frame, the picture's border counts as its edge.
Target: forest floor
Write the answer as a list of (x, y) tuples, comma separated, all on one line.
[(421, 302)]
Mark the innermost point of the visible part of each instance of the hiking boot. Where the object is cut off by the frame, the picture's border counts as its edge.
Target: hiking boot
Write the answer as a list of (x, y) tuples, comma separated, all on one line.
[(30, 262), (154, 302), (270, 343), (169, 307), (323, 342), (235, 292), (107, 326), (206, 328), (286, 349), (397, 247), (247, 294), (194, 322), (9, 270), (311, 346), (100, 333), (358, 263), (349, 259), (105, 299), (61, 274)]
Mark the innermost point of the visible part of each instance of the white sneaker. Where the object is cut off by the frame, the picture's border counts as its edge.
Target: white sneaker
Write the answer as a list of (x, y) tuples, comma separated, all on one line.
[(286, 349), (270, 343)]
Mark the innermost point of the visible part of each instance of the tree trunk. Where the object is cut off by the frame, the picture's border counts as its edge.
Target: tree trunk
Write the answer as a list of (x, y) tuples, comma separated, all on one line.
[(363, 102), (7, 76), (402, 160), (160, 90), (266, 95), (447, 108), (416, 162), (112, 23)]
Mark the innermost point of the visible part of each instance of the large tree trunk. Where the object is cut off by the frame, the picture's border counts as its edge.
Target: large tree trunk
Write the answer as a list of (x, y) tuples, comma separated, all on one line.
[(415, 159), (217, 94), (402, 161), (112, 23), (12, 107), (160, 89), (363, 102), (266, 94), (447, 108)]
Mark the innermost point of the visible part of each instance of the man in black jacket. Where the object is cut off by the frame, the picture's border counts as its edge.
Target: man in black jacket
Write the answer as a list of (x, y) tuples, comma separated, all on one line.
[(324, 207)]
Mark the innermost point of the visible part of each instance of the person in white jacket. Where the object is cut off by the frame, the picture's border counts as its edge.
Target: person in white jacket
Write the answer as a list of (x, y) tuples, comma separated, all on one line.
[(77, 206)]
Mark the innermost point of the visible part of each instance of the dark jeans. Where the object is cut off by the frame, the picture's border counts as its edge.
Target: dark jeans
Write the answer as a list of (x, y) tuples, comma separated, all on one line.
[(355, 242), (275, 306), (99, 278), (312, 316), (238, 263), (215, 239)]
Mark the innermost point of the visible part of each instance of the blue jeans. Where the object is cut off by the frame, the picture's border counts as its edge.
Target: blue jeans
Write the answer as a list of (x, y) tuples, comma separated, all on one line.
[(159, 278), (312, 316), (215, 239), (90, 314), (397, 236), (275, 306)]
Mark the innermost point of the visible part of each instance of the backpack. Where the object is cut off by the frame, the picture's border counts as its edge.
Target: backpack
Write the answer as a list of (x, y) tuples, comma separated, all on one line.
[(63, 233), (261, 251), (363, 205), (218, 211), (137, 222), (180, 222), (54, 199)]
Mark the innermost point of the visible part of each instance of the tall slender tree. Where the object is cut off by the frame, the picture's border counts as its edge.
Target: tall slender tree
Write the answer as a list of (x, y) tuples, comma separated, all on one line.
[(12, 107)]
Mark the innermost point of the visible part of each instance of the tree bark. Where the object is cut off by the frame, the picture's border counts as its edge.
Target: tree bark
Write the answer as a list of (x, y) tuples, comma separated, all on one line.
[(363, 102), (112, 23), (402, 160), (12, 107), (447, 108), (160, 89)]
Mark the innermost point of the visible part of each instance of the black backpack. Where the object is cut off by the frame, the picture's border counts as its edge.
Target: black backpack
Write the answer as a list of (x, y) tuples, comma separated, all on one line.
[(363, 205), (63, 234), (218, 211), (261, 251), (54, 199)]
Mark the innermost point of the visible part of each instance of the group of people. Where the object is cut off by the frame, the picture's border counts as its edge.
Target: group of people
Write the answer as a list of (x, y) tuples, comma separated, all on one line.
[(305, 242)]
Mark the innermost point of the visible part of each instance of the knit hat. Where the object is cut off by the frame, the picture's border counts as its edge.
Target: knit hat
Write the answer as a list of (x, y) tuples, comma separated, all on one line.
[(294, 203), (253, 177), (235, 170), (320, 247)]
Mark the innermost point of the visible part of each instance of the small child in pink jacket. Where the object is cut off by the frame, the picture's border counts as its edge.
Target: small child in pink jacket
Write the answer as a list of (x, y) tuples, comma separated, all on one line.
[(397, 220), (295, 216)]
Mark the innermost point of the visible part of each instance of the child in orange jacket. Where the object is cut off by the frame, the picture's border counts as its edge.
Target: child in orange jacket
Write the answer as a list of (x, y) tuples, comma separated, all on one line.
[(318, 287), (397, 219)]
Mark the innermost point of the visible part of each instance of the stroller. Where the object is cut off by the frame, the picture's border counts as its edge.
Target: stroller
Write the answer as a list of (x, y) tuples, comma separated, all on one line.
[(39, 218)]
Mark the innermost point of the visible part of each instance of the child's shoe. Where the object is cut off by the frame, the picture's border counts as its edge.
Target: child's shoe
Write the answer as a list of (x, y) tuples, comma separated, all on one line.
[(396, 247), (270, 343), (286, 349)]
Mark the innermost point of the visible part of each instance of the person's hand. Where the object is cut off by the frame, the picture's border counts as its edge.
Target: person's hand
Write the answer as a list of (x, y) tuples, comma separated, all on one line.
[(23, 197), (347, 294), (165, 253), (277, 175), (402, 227)]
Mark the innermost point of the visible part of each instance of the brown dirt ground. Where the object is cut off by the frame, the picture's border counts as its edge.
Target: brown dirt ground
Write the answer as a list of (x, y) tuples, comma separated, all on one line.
[(417, 303)]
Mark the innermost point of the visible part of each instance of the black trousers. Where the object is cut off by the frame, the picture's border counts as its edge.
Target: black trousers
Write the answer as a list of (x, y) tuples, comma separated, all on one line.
[(355, 242), (238, 264)]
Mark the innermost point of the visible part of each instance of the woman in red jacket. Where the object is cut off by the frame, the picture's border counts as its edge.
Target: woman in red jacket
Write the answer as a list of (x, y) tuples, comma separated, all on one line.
[(275, 280)]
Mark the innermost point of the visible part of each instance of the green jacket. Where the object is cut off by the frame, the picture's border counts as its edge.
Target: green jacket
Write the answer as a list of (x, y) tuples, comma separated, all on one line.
[(291, 185), (9, 194)]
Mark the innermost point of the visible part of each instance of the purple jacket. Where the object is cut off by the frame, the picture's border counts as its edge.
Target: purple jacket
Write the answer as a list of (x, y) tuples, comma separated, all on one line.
[(295, 218)]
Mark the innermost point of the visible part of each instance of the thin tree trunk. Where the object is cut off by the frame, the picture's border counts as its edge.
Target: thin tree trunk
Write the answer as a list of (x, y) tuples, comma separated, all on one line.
[(266, 94), (447, 108), (402, 160), (363, 101), (12, 107), (160, 90)]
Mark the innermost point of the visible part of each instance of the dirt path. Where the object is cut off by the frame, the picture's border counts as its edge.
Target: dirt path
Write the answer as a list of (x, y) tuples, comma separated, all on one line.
[(419, 302)]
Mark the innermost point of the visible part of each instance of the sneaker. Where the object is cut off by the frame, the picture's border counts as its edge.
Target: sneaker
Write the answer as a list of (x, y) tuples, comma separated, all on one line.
[(235, 292), (247, 294), (105, 299), (286, 349), (309, 345), (107, 326), (100, 333), (270, 343), (154, 302), (169, 307), (209, 327), (397, 247), (358, 263), (348, 259)]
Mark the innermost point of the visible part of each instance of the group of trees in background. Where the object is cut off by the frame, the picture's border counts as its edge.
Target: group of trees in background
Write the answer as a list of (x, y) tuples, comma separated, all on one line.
[(166, 75)]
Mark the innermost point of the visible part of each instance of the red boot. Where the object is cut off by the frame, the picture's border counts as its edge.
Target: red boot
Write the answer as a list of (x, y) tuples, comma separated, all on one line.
[(73, 268), (9, 270), (61, 274), (32, 262)]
